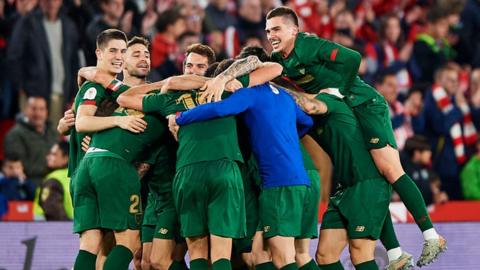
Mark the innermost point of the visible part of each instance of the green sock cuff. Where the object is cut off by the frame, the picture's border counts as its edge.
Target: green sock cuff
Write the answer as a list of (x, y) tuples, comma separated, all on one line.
[(183, 265), (331, 266), (175, 266), (311, 265), (265, 266), (119, 258), (387, 235), (199, 264), (413, 200), (222, 264), (85, 260), (370, 265), (292, 266)]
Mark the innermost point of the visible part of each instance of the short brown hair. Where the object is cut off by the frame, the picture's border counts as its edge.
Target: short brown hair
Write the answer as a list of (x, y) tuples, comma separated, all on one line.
[(110, 34), (451, 66), (138, 40), (283, 12), (202, 50)]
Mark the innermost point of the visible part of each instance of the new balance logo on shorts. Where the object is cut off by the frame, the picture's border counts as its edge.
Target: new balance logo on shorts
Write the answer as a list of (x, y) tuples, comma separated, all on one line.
[(266, 228), (163, 231), (374, 140), (360, 228)]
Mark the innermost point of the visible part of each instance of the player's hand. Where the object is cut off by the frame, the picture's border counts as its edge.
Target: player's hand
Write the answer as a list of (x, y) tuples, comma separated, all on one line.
[(66, 122), (86, 143), (213, 89), (87, 73), (173, 126), (233, 86), (133, 123)]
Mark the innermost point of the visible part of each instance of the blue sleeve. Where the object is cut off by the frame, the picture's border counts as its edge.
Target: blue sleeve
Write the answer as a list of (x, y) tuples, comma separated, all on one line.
[(398, 120), (237, 103), (304, 122)]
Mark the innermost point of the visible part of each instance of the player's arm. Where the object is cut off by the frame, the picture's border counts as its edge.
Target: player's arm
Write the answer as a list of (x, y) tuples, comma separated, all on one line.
[(237, 103), (184, 83), (304, 122), (267, 72), (86, 121), (133, 97), (340, 59), (215, 87), (308, 103), (66, 122)]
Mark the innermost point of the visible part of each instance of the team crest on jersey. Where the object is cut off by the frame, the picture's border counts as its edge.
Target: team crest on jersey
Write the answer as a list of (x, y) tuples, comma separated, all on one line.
[(274, 89), (302, 71), (91, 93)]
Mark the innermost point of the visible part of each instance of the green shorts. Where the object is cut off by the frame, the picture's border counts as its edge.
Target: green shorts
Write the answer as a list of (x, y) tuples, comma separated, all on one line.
[(107, 194), (160, 219), (209, 199), (360, 209), (251, 193), (374, 119), (281, 210), (310, 209)]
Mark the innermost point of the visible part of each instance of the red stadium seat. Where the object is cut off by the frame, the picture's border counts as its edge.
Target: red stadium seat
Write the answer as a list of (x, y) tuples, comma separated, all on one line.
[(19, 211)]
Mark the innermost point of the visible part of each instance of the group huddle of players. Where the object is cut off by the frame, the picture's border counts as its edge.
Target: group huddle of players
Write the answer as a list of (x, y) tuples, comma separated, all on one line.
[(240, 182)]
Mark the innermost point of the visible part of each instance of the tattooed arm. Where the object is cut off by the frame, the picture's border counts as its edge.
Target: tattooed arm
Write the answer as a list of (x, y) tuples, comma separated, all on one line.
[(307, 103), (215, 87)]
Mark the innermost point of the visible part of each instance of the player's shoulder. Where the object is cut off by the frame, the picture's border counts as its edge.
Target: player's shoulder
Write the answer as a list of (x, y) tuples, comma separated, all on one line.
[(90, 86), (307, 39)]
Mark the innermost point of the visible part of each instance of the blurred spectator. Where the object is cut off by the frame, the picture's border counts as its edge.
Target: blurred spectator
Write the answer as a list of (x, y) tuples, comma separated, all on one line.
[(474, 97), (54, 193), (404, 116), (218, 17), (449, 128), (431, 50), (14, 185), (315, 17), (216, 41), (31, 138), (184, 41), (170, 26), (470, 177), (469, 32), (416, 160), (112, 16), (390, 52), (345, 30), (250, 20), (43, 56)]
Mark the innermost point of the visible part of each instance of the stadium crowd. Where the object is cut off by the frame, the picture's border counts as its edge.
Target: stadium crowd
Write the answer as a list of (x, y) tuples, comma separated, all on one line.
[(423, 56)]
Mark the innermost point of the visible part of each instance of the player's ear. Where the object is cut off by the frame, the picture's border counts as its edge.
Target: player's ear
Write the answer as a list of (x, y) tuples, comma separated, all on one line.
[(98, 53)]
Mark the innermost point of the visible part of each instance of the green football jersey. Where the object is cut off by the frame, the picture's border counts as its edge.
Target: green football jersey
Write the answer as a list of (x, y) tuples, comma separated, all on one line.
[(203, 141), (316, 64), (89, 94), (339, 134), (162, 171), (131, 146)]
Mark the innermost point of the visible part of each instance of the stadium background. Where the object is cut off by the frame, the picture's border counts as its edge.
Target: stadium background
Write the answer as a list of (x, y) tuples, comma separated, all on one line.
[(402, 38)]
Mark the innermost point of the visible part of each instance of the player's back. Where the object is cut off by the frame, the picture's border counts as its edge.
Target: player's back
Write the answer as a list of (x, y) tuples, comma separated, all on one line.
[(272, 120)]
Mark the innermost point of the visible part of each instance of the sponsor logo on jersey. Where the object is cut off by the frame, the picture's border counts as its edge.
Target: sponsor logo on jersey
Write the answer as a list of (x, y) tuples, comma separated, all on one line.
[(305, 79), (274, 90)]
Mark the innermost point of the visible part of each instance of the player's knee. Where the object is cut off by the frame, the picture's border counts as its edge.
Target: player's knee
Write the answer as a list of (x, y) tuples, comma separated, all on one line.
[(160, 265), (145, 264), (359, 255), (324, 256), (302, 258), (282, 258)]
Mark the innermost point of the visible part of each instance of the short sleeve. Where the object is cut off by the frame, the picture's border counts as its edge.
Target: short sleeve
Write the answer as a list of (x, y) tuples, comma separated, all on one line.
[(91, 94)]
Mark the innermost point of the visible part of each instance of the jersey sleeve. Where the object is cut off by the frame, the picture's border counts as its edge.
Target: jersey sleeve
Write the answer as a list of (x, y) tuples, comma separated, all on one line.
[(244, 80), (237, 103), (339, 59), (117, 87), (304, 122), (156, 103), (91, 94)]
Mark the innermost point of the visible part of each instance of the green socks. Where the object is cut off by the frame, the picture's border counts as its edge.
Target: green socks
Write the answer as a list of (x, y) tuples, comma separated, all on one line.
[(222, 264), (199, 264), (292, 266), (311, 265), (175, 266), (332, 266), (85, 260), (119, 258), (265, 266), (387, 236), (413, 200), (370, 265)]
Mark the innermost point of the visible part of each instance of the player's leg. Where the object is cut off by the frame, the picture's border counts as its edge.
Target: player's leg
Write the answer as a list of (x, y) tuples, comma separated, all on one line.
[(180, 251), (377, 129), (332, 240), (397, 258), (166, 231), (262, 258), (90, 241), (198, 252), (362, 254), (283, 252), (146, 253), (162, 254), (108, 242)]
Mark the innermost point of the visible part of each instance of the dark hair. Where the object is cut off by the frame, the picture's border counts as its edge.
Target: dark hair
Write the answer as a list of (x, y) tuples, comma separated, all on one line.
[(436, 14), (223, 65), (254, 50), (168, 17), (383, 28), (110, 34), (187, 34), (420, 87), (447, 67), (64, 147), (416, 143), (211, 70), (138, 40), (283, 12), (12, 157), (382, 75), (202, 50)]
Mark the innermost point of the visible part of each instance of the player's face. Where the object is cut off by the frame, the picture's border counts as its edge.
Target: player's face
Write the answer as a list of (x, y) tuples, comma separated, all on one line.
[(56, 159), (137, 61), (111, 58), (281, 33), (195, 64)]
